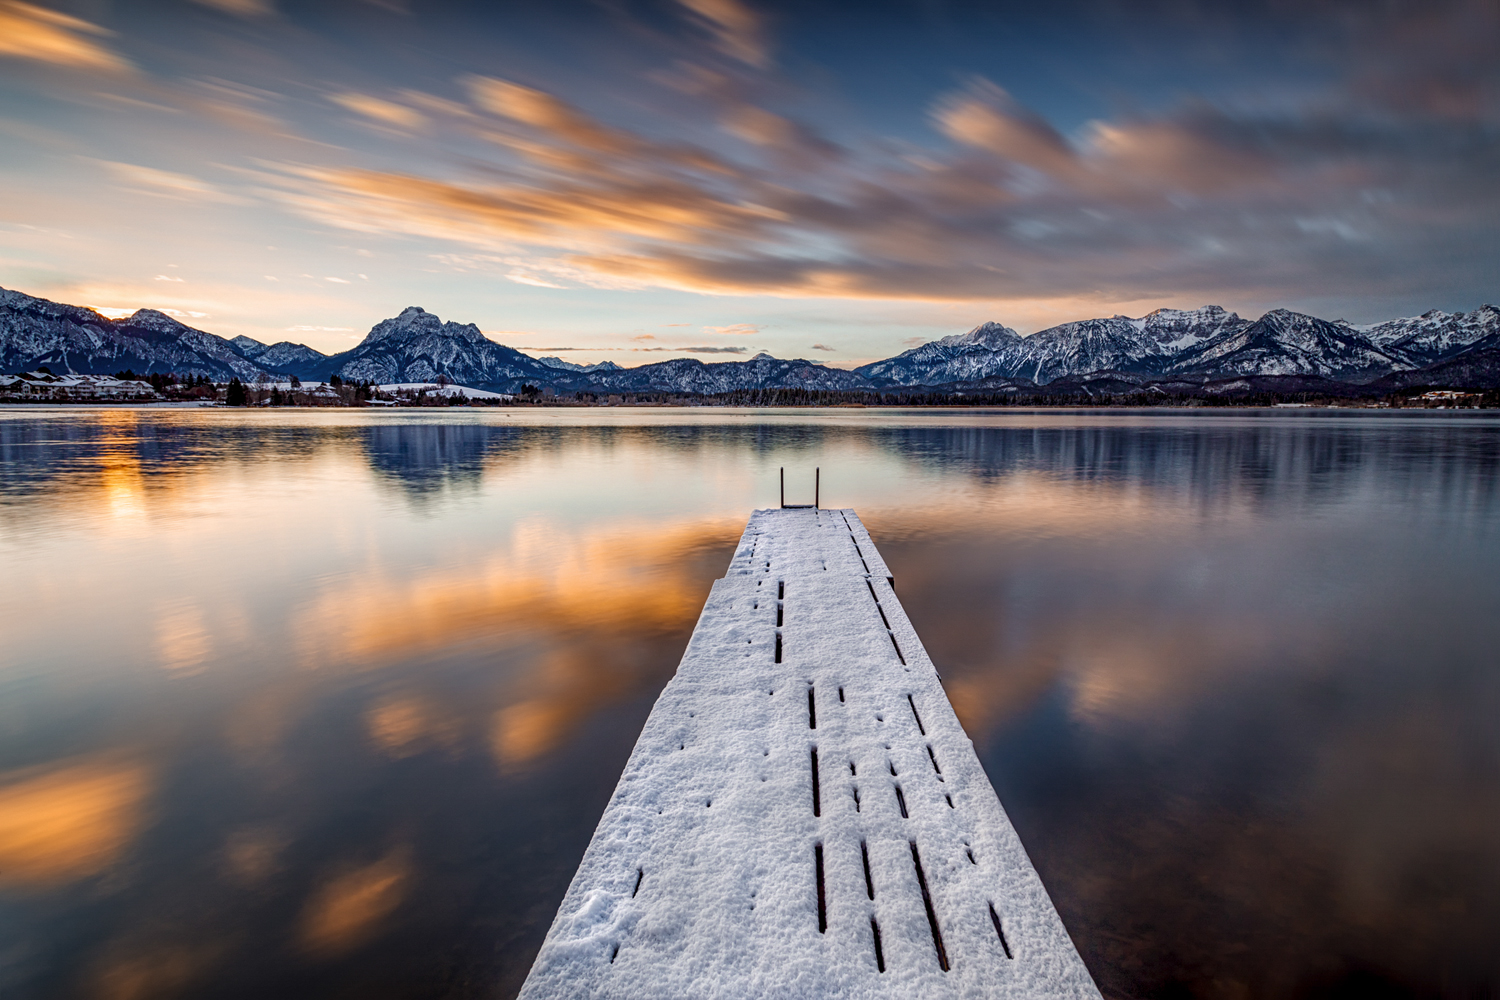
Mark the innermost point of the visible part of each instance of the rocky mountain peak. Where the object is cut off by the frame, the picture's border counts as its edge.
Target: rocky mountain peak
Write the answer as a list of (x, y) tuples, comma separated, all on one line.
[(154, 320), (990, 334), (1289, 318), (249, 346), (414, 321)]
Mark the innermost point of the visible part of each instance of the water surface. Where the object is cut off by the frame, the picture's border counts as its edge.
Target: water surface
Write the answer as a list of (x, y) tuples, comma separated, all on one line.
[(326, 704)]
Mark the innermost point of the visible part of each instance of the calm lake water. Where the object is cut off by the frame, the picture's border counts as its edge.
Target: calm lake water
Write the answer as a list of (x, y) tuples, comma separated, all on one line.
[(327, 704)]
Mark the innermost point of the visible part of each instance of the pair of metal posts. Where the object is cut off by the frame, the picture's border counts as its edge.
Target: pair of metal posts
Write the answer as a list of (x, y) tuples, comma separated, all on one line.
[(817, 476)]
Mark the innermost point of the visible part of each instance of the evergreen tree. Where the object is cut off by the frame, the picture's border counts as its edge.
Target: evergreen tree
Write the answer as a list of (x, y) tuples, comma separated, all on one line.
[(235, 394)]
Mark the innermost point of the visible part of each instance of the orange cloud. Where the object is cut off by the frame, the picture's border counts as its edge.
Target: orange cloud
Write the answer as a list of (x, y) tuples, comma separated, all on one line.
[(546, 113), (577, 214), (69, 821), (989, 119), (382, 111), (28, 32)]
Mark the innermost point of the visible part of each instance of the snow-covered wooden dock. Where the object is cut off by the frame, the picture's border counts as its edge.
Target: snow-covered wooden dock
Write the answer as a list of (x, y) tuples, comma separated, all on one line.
[(803, 815)]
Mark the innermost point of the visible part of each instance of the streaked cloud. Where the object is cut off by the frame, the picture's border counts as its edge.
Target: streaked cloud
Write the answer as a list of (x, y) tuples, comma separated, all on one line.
[(1190, 201), (988, 119), (379, 110), (1357, 164), (522, 278), (736, 29), (734, 329), (544, 112), (168, 183), (31, 32), (824, 347), (242, 8)]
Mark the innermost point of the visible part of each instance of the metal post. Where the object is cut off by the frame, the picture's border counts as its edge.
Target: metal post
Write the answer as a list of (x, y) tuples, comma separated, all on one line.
[(817, 475), (783, 486)]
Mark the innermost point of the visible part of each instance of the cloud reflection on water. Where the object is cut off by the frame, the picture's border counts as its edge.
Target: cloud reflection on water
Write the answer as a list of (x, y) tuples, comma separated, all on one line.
[(1211, 664), (349, 907), (69, 821)]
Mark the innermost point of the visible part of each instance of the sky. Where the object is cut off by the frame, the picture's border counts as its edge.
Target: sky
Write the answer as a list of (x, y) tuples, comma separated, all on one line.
[(635, 180)]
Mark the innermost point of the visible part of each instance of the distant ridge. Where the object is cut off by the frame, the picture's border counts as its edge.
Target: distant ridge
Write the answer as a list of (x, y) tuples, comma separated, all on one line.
[(1168, 347), (74, 339)]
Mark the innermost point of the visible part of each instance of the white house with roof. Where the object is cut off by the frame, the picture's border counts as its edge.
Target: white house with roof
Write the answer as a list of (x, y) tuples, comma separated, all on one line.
[(45, 385)]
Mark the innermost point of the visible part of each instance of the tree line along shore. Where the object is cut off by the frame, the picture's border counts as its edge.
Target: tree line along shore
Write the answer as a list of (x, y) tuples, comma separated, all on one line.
[(125, 387)]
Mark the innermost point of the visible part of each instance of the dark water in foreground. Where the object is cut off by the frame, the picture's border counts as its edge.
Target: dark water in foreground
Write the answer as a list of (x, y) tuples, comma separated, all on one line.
[(326, 705)]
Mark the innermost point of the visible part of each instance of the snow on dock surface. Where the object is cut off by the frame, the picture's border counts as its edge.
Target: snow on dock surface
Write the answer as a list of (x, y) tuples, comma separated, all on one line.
[(803, 815)]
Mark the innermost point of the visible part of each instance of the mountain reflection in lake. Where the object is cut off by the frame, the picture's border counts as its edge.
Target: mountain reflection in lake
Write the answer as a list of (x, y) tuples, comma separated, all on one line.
[(327, 704)]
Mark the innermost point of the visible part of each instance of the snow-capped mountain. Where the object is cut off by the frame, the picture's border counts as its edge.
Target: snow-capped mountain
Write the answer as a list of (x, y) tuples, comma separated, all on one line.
[(1477, 367), (282, 355), (1169, 345), (1118, 343), (36, 332), (417, 346), (1210, 342), (686, 375), (980, 353), (600, 366), (1435, 334), (1283, 342)]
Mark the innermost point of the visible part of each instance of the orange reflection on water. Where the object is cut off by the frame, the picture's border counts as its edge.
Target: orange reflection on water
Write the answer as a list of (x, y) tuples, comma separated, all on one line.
[(619, 578), (69, 822), (121, 484), (946, 555), (582, 599), (349, 907), (569, 685), (1033, 505), (183, 643), (402, 725), (156, 971)]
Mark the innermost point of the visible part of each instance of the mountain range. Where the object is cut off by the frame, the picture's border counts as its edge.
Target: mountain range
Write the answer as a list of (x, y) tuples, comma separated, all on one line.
[(1165, 349)]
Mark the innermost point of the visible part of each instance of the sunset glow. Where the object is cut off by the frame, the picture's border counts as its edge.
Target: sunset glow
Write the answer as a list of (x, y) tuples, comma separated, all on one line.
[(582, 178)]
